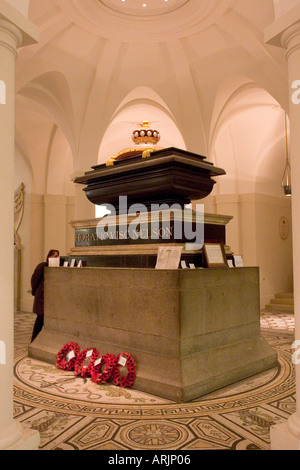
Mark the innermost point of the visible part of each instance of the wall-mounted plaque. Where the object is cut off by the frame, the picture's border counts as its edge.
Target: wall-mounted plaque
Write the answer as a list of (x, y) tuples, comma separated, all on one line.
[(215, 255), (284, 227)]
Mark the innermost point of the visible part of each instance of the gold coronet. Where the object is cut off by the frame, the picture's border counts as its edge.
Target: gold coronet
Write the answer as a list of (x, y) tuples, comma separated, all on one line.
[(145, 135)]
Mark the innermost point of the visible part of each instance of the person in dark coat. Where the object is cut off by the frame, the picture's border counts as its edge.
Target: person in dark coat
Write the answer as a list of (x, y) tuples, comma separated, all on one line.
[(37, 289)]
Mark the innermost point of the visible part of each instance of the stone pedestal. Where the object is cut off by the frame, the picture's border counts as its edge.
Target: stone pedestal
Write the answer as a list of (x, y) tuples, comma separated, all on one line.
[(133, 241), (190, 331)]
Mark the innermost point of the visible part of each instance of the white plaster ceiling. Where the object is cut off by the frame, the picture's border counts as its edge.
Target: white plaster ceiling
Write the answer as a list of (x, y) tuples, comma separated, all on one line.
[(183, 65), (143, 7)]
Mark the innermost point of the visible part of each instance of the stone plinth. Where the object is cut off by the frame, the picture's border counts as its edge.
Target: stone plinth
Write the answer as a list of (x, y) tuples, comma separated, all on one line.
[(133, 244), (190, 331)]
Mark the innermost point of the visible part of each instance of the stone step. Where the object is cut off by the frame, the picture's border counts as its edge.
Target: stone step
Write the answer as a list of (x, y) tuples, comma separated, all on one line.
[(284, 295), (279, 308), (283, 302)]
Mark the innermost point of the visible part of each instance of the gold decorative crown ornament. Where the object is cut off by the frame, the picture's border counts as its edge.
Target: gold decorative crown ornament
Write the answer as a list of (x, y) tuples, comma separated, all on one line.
[(145, 135)]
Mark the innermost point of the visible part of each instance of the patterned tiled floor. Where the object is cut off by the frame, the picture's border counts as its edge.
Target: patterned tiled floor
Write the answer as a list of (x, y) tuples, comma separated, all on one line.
[(73, 413), (284, 322)]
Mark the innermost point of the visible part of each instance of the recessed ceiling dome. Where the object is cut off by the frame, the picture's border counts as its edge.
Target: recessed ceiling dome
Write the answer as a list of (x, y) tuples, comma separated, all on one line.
[(149, 20), (143, 7)]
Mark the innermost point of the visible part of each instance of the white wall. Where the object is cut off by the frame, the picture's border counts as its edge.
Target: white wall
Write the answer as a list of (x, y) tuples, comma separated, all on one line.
[(45, 225), (254, 233)]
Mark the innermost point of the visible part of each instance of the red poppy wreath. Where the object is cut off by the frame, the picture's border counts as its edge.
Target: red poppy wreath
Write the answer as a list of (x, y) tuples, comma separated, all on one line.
[(103, 368), (85, 362), (66, 357), (124, 359)]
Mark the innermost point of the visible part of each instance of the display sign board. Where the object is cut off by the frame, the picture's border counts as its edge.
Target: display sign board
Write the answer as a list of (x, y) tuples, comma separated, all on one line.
[(168, 257), (215, 255)]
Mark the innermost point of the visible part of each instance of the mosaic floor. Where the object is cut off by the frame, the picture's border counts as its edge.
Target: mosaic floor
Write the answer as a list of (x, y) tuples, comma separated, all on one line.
[(72, 413)]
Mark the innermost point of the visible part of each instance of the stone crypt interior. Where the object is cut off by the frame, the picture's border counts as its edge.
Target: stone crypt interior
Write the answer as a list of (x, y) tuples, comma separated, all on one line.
[(213, 345)]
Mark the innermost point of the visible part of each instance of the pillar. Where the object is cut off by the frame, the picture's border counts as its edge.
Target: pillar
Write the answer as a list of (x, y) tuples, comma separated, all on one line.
[(12, 434), (285, 32)]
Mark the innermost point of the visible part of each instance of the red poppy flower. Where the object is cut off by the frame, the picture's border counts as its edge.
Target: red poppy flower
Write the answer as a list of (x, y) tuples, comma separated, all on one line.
[(66, 357), (124, 359), (84, 362)]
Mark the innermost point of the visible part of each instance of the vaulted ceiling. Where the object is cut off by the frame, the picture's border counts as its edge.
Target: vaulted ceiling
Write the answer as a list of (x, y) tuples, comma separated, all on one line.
[(197, 70)]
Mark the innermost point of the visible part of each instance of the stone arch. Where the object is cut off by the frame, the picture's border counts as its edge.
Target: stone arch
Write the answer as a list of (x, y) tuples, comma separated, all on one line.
[(50, 92), (59, 165), (45, 132), (247, 121), (141, 104), (270, 165)]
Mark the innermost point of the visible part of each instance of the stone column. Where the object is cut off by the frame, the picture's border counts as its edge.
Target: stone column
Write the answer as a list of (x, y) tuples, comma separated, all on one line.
[(285, 32), (12, 434)]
